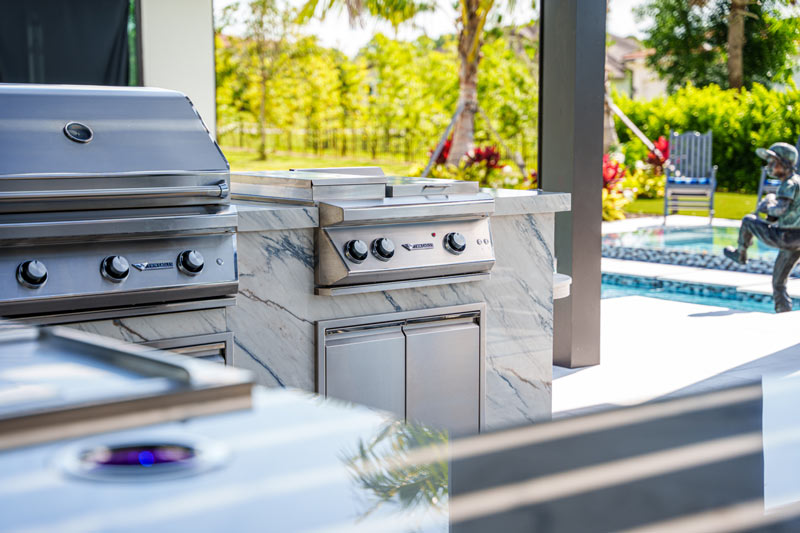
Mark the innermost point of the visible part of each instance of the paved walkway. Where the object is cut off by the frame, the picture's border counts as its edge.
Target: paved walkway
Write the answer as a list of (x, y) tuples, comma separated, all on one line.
[(652, 348)]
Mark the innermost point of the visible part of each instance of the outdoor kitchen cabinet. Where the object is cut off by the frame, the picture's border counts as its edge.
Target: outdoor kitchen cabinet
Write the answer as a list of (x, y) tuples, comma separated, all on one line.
[(426, 369)]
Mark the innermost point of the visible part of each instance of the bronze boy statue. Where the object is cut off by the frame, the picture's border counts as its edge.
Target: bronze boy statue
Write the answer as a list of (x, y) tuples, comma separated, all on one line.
[(781, 229)]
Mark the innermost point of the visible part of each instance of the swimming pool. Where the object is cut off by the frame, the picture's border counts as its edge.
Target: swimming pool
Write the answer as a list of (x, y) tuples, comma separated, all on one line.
[(697, 246)]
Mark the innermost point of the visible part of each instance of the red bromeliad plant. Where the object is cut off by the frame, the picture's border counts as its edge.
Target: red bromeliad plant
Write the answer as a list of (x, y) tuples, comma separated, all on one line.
[(662, 145), (489, 155), (442, 159), (614, 198), (612, 172)]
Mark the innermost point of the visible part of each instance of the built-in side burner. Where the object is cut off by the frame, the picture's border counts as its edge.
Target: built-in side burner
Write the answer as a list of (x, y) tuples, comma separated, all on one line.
[(380, 233)]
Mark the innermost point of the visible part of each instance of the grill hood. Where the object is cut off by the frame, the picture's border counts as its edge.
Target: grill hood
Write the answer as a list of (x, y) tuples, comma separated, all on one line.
[(81, 147)]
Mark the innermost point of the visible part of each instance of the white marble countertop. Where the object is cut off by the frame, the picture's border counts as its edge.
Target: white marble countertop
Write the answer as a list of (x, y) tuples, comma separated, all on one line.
[(268, 216)]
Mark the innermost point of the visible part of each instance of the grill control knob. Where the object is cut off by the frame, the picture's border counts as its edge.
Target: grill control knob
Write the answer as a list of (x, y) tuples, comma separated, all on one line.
[(356, 251), (191, 262), (383, 248), (32, 274), (455, 242), (115, 268)]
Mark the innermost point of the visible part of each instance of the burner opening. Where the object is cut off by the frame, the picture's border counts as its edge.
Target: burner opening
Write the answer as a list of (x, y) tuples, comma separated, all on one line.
[(145, 460), (138, 456)]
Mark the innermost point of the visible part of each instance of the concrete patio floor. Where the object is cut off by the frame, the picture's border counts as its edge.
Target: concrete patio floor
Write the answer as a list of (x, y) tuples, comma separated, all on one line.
[(652, 348)]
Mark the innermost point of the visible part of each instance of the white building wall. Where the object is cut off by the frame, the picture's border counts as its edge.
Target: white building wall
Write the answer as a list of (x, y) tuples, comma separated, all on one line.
[(646, 83), (178, 51)]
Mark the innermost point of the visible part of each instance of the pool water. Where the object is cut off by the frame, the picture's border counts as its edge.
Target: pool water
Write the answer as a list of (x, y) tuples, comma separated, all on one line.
[(609, 290), (699, 240)]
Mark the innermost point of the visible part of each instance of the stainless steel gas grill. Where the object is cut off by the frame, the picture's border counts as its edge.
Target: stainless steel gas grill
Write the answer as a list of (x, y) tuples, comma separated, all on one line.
[(379, 233), (112, 201)]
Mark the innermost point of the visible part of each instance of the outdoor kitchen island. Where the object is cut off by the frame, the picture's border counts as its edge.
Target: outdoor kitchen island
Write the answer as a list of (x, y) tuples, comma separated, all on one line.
[(279, 321)]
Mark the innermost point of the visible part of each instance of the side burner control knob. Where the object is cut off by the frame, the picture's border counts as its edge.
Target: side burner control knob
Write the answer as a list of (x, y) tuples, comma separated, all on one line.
[(383, 248), (115, 268), (356, 251), (32, 274), (191, 262), (455, 242)]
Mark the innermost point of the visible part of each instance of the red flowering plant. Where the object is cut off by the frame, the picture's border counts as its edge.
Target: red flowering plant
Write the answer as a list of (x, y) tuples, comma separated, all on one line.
[(613, 171), (483, 164), (489, 155), (614, 197), (442, 159), (657, 161)]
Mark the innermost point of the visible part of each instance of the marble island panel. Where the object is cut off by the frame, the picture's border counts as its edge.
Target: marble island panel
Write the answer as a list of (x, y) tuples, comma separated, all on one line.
[(274, 320)]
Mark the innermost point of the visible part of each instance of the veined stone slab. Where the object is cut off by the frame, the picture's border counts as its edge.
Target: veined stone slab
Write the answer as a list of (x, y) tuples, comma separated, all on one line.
[(274, 320)]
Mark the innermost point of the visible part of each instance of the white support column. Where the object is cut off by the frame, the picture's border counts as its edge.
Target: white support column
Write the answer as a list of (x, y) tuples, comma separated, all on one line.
[(178, 51)]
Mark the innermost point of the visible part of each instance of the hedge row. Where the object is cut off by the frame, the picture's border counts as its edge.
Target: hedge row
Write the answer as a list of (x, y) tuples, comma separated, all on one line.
[(740, 120)]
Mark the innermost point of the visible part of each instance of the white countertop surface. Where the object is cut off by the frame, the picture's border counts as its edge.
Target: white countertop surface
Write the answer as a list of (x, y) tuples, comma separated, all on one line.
[(268, 216)]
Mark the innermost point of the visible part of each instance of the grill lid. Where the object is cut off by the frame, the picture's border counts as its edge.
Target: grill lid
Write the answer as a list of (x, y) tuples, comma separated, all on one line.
[(69, 131)]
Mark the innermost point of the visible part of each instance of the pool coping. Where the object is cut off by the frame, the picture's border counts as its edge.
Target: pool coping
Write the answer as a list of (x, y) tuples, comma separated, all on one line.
[(636, 223)]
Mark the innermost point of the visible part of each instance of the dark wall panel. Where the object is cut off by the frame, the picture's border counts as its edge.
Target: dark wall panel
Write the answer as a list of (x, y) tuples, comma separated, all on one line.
[(64, 41)]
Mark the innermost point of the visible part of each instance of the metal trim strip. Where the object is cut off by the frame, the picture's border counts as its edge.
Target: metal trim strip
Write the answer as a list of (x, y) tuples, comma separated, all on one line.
[(394, 285)]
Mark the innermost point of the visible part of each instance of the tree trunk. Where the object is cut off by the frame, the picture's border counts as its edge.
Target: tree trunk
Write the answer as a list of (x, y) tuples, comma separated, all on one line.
[(262, 118), (736, 43), (610, 138), (469, 54)]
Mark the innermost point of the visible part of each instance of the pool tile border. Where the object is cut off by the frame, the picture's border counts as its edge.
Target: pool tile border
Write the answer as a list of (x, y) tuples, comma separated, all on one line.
[(689, 288), (689, 259)]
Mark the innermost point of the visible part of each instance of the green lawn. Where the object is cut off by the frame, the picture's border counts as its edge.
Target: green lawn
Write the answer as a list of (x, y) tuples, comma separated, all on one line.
[(726, 205), (245, 160)]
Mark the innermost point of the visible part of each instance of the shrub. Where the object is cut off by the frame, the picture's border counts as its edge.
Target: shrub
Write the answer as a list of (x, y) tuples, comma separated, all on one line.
[(645, 182), (740, 121)]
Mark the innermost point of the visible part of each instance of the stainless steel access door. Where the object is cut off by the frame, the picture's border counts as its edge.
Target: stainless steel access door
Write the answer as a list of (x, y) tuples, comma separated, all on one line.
[(443, 374), (367, 365), (425, 366)]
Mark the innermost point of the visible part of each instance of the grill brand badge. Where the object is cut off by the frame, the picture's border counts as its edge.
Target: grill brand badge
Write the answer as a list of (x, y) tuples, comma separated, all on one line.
[(418, 246), (162, 265)]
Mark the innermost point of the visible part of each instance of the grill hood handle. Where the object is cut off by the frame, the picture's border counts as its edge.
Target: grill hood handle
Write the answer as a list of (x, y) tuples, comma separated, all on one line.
[(219, 190)]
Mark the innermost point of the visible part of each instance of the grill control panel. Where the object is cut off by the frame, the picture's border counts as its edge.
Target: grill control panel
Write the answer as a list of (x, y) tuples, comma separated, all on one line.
[(389, 252), (67, 277)]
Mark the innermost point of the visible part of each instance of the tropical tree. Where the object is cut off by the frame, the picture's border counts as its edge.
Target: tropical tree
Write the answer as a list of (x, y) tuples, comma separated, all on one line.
[(267, 36), (733, 43), (473, 15)]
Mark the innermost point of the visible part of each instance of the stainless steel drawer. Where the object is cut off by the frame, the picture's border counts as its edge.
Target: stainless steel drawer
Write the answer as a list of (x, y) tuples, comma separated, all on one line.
[(215, 347)]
